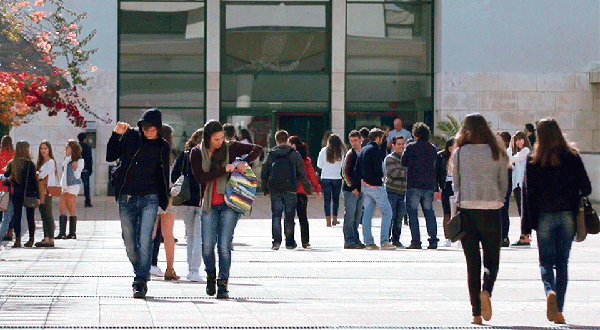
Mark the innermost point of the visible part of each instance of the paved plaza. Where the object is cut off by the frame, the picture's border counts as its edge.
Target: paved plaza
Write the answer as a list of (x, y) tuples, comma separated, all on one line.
[(86, 283)]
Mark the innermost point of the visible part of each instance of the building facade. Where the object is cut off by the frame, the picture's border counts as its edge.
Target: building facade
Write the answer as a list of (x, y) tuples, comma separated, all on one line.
[(309, 66)]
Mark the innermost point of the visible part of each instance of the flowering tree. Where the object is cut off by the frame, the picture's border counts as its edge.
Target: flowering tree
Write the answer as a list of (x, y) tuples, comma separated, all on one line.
[(42, 34)]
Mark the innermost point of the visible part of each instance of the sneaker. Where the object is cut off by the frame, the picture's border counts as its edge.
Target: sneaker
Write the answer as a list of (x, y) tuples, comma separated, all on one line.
[(1, 247), (551, 306), (194, 277), (275, 246), (486, 305), (88, 205), (156, 271), (505, 242), (354, 246), (446, 243), (139, 290), (306, 245), (291, 247), (432, 247), (398, 245), (413, 247), (371, 247), (388, 246)]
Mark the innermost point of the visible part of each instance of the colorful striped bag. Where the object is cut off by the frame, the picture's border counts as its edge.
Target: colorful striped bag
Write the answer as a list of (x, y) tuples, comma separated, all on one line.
[(241, 190)]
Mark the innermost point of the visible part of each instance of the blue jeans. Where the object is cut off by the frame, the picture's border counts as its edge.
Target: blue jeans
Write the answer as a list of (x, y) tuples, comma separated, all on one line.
[(6, 219), (138, 216), (414, 197), (555, 234), (283, 201), (193, 229), (331, 194), (218, 226), (352, 214), (85, 179), (376, 196), (398, 210)]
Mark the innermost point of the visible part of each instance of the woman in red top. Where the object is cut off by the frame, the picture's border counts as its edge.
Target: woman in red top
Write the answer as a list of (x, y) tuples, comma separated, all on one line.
[(7, 152), (302, 202)]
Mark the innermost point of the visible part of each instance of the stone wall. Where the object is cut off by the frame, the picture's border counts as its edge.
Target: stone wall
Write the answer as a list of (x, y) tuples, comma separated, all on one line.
[(510, 100)]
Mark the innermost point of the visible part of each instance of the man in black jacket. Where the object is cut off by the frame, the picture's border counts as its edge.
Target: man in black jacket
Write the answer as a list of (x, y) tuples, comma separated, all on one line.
[(140, 182), (86, 154), (353, 199), (280, 175)]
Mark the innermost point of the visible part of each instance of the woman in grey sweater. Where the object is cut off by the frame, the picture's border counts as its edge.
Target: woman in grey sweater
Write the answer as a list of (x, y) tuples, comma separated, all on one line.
[(480, 169)]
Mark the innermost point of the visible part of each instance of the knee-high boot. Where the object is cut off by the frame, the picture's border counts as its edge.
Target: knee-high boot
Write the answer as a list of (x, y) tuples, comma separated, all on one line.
[(72, 228), (62, 225), (222, 292)]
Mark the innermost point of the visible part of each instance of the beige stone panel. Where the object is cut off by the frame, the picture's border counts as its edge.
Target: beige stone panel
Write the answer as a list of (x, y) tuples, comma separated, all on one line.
[(582, 82), (459, 100), (516, 82), (337, 101), (103, 79), (583, 141), (596, 141), (338, 82), (437, 100), (555, 82), (536, 101), (585, 120), (457, 114), (100, 98), (568, 101), (515, 120), (212, 100), (565, 119), (212, 81), (449, 81), (337, 120), (492, 117), (479, 81), (498, 100)]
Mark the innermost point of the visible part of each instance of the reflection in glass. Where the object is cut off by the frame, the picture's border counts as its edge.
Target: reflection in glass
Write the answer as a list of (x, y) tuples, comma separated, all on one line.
[(161, 90)]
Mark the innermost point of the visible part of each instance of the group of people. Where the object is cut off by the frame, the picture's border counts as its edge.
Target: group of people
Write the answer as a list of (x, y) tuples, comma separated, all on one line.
[(30, 185)]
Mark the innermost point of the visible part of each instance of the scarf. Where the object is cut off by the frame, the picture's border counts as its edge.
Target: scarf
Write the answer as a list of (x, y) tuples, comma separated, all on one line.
[(221, 181)]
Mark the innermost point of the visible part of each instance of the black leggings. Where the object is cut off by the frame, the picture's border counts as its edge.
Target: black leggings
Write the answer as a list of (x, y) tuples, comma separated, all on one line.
[(301, 205), (18, 213), (517, 193), (486, 230)]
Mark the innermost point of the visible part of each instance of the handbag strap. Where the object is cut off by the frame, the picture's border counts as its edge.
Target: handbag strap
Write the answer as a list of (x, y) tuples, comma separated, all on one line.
[(26, 180), (455, 179)]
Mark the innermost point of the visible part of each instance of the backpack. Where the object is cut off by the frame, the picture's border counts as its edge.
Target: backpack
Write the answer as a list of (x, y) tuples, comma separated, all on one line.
[(241, 190), (283, 173)]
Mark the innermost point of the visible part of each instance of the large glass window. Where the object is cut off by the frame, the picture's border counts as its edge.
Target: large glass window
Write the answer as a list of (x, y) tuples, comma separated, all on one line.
[(389, 65), (162, 64)]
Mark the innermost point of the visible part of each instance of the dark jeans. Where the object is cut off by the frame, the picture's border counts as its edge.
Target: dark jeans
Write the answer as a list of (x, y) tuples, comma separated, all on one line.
[(85, 178), (555, 235), (353, 206), (301, 206), (283, 201), (504, 214), (18, 213), (424, 197), (486, 229), (517, 193), (332, 189), (47, 217), (398, 205), (156, 243), (446, 193), (218, 226)]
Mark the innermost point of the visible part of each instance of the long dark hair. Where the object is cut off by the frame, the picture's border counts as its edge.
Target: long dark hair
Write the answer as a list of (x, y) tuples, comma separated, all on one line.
[(194, 140), (298, 145), (6, 144), (520, 135), (219, 155), (245, 135), (446, 154), (18, 162), (550, 144), (40, 159), (75, 150), (335, 149), (475, 130), (505, 136)]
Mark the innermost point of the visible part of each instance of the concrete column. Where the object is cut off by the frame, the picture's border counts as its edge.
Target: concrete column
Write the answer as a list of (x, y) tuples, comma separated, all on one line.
[(338, 66), (213, 58)]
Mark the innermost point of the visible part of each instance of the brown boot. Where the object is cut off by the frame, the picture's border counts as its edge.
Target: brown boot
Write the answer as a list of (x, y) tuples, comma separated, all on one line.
[(328, 219), (17, 242), (170, 275), (29, 243), (335, 221)]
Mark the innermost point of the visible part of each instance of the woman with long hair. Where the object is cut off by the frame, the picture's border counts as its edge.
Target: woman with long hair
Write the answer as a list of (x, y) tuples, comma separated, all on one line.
[(517, 152), (444, 180), (555, 180), (7, 152), (70, 183), (21, 171), (245, 136), (302, 197), (212, 163), (46, 167), (480, 168), (330, 163), (504, 139)]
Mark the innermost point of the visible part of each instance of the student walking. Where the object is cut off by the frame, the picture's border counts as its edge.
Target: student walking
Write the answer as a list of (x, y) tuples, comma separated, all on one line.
[(480, 166), (212, 162), (70, 182), (353, 198), (46, 167), (302, 195), (517, 152), (395, 186), (330, 163), (555, 180), (140, 182), (281, 172)]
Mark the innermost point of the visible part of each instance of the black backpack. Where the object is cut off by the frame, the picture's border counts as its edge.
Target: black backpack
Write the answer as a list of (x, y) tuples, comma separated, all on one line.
[(283, 173)]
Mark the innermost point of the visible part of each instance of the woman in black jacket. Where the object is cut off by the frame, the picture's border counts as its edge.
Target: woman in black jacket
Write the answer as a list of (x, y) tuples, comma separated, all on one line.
[(555, 180), (22, 174)]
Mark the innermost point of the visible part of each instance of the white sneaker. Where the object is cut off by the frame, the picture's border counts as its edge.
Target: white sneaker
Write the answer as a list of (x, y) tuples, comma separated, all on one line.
[(194, 277), (156, 271), (388, 246), (446, 243), (1, 247)]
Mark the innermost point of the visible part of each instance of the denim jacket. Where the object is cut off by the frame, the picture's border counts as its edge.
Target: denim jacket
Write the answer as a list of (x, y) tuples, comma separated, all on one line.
[(71, 181)]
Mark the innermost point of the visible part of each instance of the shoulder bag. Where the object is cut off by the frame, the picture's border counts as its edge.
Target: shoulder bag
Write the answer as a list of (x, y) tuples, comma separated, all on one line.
[(181, 188), (31, 202), (456, 225), (586, 221)]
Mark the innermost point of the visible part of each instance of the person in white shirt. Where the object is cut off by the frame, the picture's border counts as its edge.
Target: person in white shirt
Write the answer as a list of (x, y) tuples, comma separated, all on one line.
[(398, 131), (70, 182), (330, 162), (517, 152), (46, 167)]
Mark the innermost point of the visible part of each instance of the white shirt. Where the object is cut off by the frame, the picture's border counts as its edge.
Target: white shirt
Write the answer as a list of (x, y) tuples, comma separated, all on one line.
[(403, 132), (329, 170), (520, 161), (49, 170)]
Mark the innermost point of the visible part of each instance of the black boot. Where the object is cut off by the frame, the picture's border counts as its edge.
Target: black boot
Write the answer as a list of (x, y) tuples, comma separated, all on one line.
[(72, 228), (62, 224), (211, 281), (222, 293)]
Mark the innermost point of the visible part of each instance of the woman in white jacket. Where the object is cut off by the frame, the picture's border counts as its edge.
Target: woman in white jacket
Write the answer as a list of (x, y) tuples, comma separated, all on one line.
[(517, 152), (70, 182)]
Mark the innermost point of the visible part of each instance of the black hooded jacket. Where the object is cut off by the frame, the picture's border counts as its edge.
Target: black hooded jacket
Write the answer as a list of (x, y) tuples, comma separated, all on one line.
[(149, 159)]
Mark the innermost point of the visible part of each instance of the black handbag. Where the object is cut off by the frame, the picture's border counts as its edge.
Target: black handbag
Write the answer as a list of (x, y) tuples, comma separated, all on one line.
[(31, 202), (181, 188), (592, 223), (457, 224)]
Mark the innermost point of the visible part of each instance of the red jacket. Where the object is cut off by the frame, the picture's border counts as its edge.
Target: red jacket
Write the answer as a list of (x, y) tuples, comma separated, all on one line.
[(312, 177), (5, 157)]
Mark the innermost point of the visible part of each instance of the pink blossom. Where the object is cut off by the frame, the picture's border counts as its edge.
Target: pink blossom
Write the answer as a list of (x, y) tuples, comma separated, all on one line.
[(71, 35), (74, 42), (40, 3), (38, 16), (73, 26), (23, 4)]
